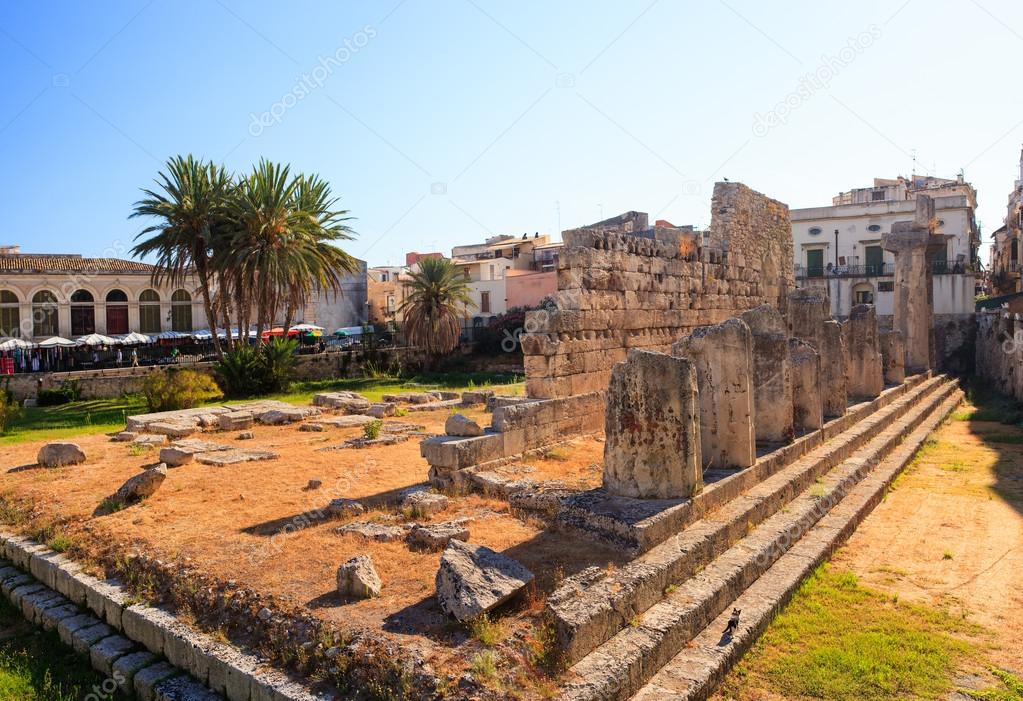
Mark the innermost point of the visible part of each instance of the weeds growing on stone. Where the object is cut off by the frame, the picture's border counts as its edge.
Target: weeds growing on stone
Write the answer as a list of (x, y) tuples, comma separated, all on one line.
[(485, 630)]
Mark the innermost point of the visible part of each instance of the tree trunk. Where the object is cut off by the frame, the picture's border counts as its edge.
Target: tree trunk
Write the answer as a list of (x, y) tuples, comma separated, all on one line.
[(211, 317)]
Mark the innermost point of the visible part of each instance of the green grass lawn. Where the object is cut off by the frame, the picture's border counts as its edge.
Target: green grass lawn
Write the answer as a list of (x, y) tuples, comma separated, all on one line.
[(841, 641), (37, 666), (107, 415)]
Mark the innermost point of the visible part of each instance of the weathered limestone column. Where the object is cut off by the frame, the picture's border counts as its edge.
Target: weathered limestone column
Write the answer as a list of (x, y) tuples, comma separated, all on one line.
[(652, 428), (913, 308), (807, 411), (723, 357), (809, 316), (772, 384), (864, 369), (893, 357)]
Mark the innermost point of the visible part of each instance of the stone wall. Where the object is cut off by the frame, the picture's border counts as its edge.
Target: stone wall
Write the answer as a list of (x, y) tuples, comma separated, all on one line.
[(623, 286), (106, 384), (999, 351)]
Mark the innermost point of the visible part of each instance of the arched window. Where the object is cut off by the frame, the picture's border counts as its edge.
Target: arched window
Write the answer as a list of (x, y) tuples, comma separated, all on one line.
[(181, 311), (44, 313), (83, 313), (149, 312), (117, 312), (10, 316)]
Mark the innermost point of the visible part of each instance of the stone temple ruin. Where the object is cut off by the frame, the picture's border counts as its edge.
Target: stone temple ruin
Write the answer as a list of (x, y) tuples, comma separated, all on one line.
[(746, 432)]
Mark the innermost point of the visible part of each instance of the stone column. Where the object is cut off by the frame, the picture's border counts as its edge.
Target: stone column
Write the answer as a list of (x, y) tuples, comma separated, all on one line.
[(723, 357), (893, 357), (807, 411), (809, 317), (652, 429), (913, 308), (772, 383), (864, 371)]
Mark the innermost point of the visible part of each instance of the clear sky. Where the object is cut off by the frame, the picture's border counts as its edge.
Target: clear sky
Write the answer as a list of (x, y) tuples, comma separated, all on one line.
[(441, 121)]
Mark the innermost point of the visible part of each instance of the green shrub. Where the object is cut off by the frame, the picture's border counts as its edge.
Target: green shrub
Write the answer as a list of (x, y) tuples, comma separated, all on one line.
[(372, 429), (245, 372), (69, 391), (178, 389), (9, 408)]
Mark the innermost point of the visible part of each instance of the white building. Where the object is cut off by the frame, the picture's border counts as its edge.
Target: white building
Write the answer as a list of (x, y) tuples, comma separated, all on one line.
[(840, 246)]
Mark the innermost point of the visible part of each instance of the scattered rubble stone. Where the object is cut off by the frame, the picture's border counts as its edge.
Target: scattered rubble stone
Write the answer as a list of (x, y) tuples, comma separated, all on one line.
[(124, 437), (233, 457), (58, 454), (381, 410), (423, 502), (311, 427), (245, 436), (358, 578), (473, 579), (436, 536), (480, 396), (314, 484), (375, 531), (345, 508), (235, 420), (171, 429), (153, 439), (347, 421)]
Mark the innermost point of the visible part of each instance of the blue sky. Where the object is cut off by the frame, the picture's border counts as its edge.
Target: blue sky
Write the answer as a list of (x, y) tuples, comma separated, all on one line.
[(441, 121)]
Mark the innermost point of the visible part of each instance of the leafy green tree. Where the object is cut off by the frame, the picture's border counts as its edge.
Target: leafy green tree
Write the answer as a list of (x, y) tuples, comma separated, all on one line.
[(438, 294)]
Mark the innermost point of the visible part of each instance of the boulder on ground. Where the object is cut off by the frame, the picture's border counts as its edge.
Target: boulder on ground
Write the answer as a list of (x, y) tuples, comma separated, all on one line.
[(153, 439), (461, 425), (142, 485), (172, 429), (60, 453), (311, 427), (423, 502), (235, 420), (345, 508), (358, 578), (245, 436), (436, 536), (473, 580), (124, 436)]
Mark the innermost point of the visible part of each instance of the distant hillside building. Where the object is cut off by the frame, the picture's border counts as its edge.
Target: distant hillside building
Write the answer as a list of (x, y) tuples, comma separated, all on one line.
[(1005, 258)]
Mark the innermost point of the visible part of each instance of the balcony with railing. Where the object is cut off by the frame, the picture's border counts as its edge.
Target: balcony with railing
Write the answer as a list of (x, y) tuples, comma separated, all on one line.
[(938, 267), (874, 270)]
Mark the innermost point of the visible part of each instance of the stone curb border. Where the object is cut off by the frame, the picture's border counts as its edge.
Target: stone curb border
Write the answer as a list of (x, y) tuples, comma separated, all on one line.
[(129, 640), (696, 672)]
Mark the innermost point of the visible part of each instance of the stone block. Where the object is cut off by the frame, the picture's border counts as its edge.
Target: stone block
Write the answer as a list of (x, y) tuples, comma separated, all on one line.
[(722, 355), (107, 651), (69, 626), (107, 600), (146, 625), (807, 410), (893, 352), (125, 668), (457, 453), (652, 429), (864, 370), (147, 679), (84, 638), (772, 381), (832, 351)]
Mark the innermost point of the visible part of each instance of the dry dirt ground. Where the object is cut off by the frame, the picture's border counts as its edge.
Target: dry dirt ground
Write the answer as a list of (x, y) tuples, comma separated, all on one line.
[(951, 532), (245, 522), (948, 536)]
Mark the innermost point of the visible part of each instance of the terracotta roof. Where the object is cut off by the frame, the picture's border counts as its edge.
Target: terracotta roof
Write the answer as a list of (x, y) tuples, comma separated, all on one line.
[(68, 263)]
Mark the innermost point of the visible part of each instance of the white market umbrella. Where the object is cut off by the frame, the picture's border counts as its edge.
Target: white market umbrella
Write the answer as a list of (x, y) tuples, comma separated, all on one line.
[(97, 339), (57, 342), (130, 339), (170, 335), (15, 344), (307, 327), (202, 335)]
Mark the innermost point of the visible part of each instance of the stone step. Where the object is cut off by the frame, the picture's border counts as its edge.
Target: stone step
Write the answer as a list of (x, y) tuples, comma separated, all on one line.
[(648, 641), (637, 525), (695, 672), (592, 606)]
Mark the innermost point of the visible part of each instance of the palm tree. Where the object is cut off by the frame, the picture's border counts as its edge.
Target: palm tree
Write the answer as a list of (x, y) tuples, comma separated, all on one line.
[(431, 310), (282, 251), (190, 208)]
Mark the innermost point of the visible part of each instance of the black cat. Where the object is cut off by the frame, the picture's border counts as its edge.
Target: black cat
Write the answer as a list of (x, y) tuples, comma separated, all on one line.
[(733, 622)]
